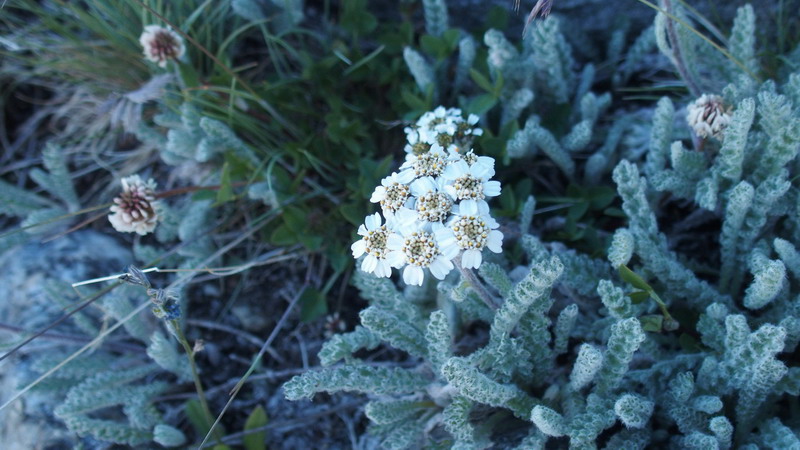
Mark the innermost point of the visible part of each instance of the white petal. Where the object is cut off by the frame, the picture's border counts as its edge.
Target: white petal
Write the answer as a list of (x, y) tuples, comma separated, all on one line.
[(405, 216), (358, 248), (395, 242), (491, 188), (406, 176), (477, 132), (468, 208), (490, 222), (378, 194), (422, 186), (362, 230), (373, 222), (445, 238), (486, 161), (396, 258), (449, 249), (471, 259), (383, 269), (440, 267), (413, 275), (483, 207), (369, 263), (455, 170), (494, 241)]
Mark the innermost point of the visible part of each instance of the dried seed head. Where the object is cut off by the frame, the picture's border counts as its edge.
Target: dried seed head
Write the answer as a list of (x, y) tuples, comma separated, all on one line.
[(708, 116), (161, 44), (135, 209), (133, 275)]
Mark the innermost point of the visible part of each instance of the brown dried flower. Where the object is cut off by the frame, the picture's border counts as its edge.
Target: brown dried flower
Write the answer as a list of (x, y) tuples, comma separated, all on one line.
[(135, 210), (161, 44), (708, 116)]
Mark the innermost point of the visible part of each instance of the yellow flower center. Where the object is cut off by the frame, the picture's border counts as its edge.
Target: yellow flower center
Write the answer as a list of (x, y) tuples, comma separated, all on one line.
[(420, 249), (471, 232)]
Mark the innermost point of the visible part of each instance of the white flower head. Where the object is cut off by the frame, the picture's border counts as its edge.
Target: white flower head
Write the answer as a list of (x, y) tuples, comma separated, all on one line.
[(471, 182), (161, 44), (418, 250), (392, 194), (485, 163), (708, 116), (135, 209), (373, 242), (334, 324), (445, 127), (429, 164), (415, 144), (430, 202), (471, 230)]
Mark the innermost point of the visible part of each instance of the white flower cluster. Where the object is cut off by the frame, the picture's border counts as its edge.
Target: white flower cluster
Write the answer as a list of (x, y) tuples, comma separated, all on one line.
[(435, 207), (708, 116)]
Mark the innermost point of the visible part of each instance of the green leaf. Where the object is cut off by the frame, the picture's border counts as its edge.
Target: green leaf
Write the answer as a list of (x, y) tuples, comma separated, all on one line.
[(523, 189), (451, 37), (508, 200), (353, 212), (689, 344), (356, 19), (482, 103), (493, 146), (577, 210), (615, 212), (338, 258), (633, 279), (414, 102), (313, 305), (497, 18), (194, 412), (255, 440), (652, 322), (498, 85), (638, 296), (312, 242), (225, 192), (481, 81), (283, 235), (295, 219), (205, 194), (432, 45), (601, 196), (188, 75)]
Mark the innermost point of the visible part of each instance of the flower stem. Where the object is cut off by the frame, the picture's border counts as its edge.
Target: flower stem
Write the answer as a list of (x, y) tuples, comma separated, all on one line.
[(672, 35), (469, 276), (198, 385)]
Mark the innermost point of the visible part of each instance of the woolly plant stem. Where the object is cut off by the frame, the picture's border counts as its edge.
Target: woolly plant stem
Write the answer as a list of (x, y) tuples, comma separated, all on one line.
[(469, 276), (198, 385)]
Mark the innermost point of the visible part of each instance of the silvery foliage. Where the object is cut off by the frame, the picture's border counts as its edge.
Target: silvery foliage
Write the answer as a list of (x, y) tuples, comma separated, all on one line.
[(93, 389), (36, 210), (721, 380)]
